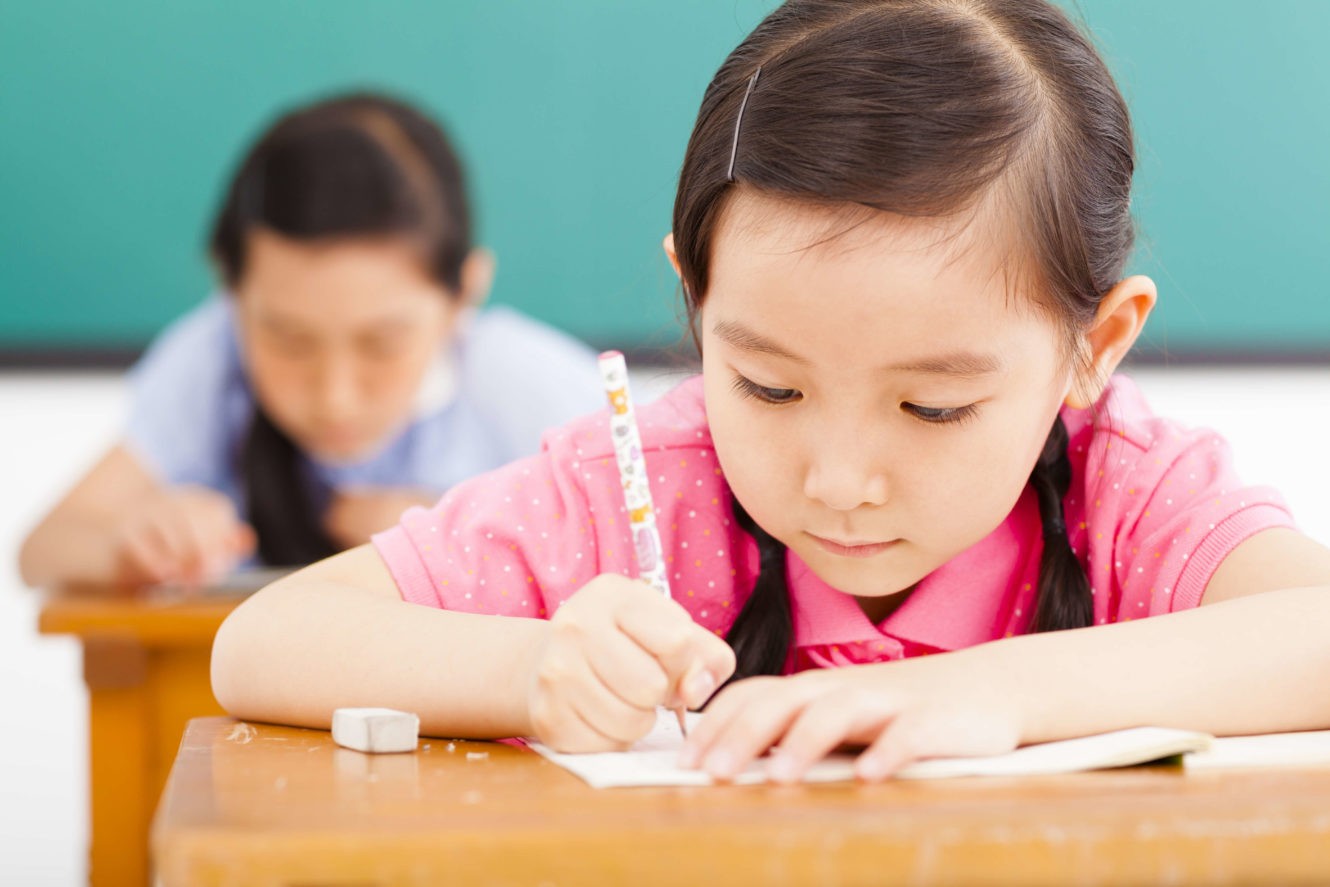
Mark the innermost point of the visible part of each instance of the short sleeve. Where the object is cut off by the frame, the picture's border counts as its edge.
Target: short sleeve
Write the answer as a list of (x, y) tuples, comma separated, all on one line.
[(516, 541), (181, 393), (521, 540), (1163, 507)]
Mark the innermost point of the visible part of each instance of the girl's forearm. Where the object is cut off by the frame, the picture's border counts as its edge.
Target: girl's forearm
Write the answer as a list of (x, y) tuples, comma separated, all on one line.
[(69, 549), (1258, 664), (463, 674)]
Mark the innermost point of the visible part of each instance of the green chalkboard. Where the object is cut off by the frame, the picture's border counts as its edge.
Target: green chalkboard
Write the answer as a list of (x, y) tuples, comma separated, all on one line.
[(122, 120)]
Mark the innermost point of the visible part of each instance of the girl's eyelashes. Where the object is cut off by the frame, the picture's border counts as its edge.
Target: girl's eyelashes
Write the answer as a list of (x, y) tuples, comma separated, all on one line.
[(941, 415), (932, 415), (749, 388)]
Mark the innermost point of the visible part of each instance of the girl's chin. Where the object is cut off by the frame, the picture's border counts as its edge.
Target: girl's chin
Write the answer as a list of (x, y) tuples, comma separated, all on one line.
[(342, 452), (871, 577)]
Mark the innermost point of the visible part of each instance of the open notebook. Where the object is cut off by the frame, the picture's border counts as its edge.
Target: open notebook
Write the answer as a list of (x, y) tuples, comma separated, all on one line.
[(652, 761)]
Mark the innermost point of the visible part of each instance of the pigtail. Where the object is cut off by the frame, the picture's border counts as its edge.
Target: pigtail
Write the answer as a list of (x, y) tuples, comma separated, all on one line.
[(764, 630), (289, 528), (1064, 599)]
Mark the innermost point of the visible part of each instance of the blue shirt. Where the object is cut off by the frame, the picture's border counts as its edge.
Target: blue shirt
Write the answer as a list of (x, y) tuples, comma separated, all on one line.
[(191, 405)]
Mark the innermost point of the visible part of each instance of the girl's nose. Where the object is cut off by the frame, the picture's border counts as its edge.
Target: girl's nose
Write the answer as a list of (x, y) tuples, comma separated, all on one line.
[(336, 390), (845, 477)]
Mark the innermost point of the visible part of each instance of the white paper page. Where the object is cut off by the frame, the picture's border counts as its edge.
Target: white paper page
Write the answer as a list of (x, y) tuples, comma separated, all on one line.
[(654, 759), (1269, 750)]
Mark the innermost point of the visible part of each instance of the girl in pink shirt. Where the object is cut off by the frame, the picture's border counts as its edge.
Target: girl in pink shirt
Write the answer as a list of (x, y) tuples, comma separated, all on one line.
[(901, 230)]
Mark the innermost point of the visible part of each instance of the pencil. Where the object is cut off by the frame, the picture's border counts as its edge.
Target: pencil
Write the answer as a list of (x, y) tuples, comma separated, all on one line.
[(636, 485)]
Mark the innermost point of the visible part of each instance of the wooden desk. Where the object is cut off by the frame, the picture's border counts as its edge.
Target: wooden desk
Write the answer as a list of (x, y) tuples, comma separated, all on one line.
[(263, 805), (145, 662)]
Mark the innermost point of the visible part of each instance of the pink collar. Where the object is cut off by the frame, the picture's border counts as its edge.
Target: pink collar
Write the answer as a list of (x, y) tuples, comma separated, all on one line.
[(966, 601)]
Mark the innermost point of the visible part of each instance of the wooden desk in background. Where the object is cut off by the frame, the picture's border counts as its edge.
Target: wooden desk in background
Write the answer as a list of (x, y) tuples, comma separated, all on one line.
[(145, 663), (262, 805)]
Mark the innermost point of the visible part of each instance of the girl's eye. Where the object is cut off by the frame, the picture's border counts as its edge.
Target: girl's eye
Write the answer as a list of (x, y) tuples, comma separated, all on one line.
[(749, 388), (941, 415), (293, 347)]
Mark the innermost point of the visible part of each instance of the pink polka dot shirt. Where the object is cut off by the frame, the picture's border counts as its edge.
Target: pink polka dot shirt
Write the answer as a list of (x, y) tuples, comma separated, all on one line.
[(1152, 510)]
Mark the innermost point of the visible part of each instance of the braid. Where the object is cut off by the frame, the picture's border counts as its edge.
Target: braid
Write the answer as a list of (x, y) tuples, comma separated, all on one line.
[(762, 633), (1064, 599), (289, 530)]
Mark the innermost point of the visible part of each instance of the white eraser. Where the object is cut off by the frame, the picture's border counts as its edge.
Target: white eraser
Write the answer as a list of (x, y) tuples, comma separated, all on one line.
[(375, 729)]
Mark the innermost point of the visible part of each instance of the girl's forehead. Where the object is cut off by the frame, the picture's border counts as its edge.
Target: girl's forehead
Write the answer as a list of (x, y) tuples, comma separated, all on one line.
[(847, 283), (974, 249)]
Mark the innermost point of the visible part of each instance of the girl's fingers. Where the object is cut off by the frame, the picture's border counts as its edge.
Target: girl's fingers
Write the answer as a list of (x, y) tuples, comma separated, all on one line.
[(607, 714), (205, 533), (224, 533), (571, 682), (628, 671), (823, 725), (144, 558), (752, 730), (723, 709), (168, 536), (894, 747), (566, 730), (617, 725), (243, 541), (157, 534), (695, 660)]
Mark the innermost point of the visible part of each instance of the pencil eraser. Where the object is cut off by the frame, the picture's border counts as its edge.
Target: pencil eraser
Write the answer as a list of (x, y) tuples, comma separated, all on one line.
[(375, 729)]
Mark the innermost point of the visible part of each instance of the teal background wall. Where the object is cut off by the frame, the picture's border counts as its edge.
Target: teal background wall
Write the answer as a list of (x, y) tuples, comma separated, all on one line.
[(120, 122)]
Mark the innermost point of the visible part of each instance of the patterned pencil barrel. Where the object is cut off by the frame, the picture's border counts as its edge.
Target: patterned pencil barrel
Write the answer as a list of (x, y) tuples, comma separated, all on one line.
[(633, 473)]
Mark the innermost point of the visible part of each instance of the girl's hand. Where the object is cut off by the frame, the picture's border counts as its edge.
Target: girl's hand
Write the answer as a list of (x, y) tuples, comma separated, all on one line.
[(187, 534), (615, 651), (354, 515), (902, 711)]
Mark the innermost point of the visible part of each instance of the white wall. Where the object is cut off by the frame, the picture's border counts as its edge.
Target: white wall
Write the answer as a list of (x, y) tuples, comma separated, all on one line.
[(51, 427)]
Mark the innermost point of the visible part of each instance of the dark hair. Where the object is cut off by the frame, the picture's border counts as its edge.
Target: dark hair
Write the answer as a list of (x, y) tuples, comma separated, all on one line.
[(357, 165), (924, 108)]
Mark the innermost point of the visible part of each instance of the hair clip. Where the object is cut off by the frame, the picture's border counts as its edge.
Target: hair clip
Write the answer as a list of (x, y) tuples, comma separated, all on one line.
[(738, 121)]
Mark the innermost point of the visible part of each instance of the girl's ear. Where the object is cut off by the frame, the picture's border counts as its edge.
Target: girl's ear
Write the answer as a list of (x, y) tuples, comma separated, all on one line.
[(477, 277), (668, 243), (1119, 320)]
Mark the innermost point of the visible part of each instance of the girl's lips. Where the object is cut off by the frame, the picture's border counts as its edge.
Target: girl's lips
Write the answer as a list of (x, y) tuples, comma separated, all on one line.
[(853, 549)]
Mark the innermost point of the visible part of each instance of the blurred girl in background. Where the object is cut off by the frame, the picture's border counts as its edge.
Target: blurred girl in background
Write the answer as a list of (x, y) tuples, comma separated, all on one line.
[(342, 375)]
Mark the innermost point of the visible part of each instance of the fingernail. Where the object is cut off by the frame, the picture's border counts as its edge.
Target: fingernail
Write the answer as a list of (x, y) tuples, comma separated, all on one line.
[(720, 764), (699, 688), (780, 767)]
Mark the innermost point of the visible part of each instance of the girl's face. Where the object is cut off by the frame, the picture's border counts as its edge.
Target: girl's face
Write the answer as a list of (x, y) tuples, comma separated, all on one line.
[(877, 399), (337, 337)]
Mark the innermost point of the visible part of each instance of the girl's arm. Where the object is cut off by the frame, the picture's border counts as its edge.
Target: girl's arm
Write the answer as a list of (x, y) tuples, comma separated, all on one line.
[(120, 525), (1255, 659), (338, 634), (1249, 660)]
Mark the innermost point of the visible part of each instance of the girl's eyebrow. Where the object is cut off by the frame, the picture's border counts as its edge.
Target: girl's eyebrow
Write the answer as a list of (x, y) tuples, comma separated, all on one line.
[(745, 339), (966, 364)]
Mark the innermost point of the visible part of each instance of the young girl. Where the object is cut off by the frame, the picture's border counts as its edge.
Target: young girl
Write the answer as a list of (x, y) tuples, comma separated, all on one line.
[(907, 490), (341, 379)]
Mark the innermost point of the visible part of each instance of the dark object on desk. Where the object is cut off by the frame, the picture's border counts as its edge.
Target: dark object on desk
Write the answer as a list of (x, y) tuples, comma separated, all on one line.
[(240, 582)]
